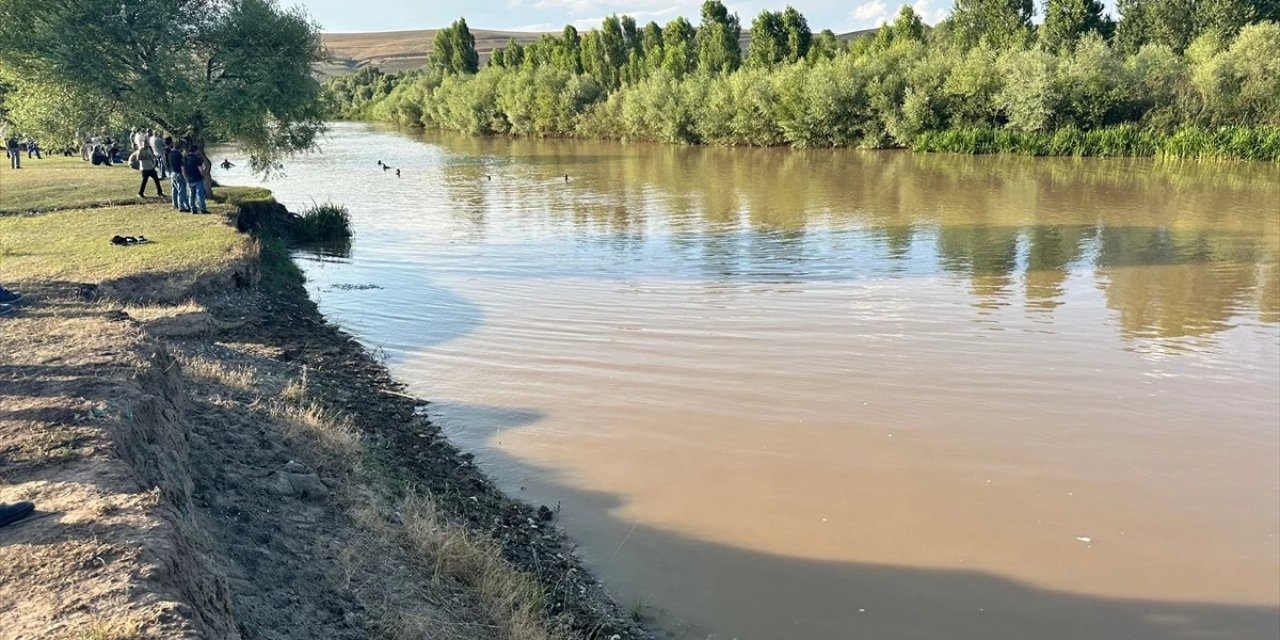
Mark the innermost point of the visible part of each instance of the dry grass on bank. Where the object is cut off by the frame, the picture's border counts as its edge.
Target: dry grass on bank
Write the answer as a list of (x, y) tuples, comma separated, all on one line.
[(511, 599)]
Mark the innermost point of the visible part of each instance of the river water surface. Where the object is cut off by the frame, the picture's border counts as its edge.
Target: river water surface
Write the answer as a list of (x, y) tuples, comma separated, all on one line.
[(840, 394)]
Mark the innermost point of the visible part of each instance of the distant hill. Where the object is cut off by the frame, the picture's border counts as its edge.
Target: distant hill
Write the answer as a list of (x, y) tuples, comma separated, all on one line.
[(393, 51)]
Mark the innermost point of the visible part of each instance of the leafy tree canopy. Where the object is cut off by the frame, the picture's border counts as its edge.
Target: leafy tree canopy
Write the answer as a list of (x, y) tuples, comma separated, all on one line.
[(208, 69), (454, 49)]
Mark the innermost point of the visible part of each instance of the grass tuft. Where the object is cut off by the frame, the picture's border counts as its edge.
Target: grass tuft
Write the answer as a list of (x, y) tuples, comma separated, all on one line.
[(325, 223)]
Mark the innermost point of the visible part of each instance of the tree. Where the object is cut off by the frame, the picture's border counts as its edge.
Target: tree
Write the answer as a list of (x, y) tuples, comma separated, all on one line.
[(1066, 21), (206, 69), (799, 35), (1133, 30), (652, 45), (907, 27), (567, 55), (454, 49), (997, 23), (824, 47), (678, 48), (1225, 18), (768, 40), (717, 39)]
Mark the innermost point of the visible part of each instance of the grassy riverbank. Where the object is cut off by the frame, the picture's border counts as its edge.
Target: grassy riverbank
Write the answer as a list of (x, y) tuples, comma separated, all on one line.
[(209, 456)]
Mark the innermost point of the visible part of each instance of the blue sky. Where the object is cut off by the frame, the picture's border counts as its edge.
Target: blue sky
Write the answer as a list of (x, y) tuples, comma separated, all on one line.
[(551, 15)]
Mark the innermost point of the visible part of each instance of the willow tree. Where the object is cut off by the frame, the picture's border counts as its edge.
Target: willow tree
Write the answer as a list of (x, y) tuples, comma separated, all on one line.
[(209, 70)]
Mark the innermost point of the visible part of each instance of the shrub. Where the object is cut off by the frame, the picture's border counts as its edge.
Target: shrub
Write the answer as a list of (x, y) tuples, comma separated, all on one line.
[(324, 223)]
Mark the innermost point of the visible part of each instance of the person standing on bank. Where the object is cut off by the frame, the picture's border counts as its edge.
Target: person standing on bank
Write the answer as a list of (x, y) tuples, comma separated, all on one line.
[(15, 159), (181, 197), (144, 160), (193, 171), (157, 149)]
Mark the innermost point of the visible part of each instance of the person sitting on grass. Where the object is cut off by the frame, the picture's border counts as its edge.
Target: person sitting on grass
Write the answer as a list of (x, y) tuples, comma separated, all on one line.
[(145, 160)]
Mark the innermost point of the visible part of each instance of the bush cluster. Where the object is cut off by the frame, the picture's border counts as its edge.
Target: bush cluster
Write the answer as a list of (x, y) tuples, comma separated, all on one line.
[(1051, 90)]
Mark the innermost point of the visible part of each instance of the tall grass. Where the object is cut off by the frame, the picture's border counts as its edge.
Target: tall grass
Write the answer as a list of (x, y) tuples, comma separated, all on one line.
[(324, 223), (1244, 143)]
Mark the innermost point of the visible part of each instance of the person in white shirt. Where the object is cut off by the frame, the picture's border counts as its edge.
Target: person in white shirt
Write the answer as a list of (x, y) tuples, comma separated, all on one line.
[(157, 149)]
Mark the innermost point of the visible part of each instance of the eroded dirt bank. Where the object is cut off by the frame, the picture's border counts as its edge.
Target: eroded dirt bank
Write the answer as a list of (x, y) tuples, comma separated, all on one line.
[(232, 466)]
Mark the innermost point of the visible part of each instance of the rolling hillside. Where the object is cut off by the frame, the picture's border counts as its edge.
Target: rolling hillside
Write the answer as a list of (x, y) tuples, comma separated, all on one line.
[(393, 51)]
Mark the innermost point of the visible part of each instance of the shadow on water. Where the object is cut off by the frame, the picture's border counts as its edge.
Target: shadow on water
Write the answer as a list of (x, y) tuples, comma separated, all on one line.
[(765, 596), (390, 307)]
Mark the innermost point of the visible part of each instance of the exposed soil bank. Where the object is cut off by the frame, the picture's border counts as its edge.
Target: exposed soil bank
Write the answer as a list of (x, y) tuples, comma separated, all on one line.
[(236, 467)]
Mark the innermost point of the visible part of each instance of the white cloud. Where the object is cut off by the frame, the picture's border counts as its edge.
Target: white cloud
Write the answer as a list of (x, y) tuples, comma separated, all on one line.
[(930, 13), (869, 14), (875, 13)]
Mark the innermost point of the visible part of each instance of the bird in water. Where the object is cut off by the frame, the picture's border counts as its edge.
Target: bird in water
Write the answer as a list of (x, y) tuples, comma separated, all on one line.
[(379, 163), (566, 177), (488, 177), (397, 173)]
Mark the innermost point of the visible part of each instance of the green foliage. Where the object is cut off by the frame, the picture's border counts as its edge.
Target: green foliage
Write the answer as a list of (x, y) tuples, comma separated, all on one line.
[(799, 35), (1067, 21), (768, 40), (717, 39), (907, 27), (454, 49), (996, 23), (680, 55), (1248, 143), (350, 96), (911, 86), (206, 69), (324, 223)]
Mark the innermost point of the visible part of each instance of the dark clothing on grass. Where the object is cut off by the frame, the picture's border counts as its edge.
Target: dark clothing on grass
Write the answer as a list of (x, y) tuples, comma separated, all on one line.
[(150, 173)]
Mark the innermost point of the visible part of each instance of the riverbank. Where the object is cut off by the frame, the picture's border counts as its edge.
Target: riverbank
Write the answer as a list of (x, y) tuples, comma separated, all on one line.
[(208, 455)]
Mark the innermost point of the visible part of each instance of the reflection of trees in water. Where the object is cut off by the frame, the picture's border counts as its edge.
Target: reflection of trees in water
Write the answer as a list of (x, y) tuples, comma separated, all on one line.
[(1050, 253), (1182, 247), (987, 255), (1171, 284)]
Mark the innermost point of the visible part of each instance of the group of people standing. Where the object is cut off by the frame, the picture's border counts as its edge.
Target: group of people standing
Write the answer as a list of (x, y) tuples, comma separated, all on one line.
[(182, 163)]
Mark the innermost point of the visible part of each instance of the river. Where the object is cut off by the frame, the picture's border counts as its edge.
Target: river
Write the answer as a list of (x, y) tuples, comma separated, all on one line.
[(833, 394)]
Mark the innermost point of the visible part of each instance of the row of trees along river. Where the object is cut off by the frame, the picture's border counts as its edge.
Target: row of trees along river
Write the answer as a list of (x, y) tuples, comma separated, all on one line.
[(1188, 78)]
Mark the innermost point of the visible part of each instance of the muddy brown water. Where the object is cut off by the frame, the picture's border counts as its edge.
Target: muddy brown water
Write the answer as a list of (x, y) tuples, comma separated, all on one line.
[(843, 394)]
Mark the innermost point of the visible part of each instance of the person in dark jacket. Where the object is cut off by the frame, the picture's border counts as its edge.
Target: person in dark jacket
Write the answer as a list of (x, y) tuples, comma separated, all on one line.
[(15, 158), (181, 197), (193, 172)]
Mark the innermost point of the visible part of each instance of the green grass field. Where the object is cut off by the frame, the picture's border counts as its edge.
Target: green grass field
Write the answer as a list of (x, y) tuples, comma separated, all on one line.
[(65, 183), (71, 242)]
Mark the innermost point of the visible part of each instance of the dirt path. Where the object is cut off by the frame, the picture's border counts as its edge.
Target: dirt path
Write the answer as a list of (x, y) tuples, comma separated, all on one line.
[(235, 467)]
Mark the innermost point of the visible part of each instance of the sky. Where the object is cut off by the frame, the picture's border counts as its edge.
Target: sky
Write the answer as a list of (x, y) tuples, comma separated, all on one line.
[(551, 15)]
